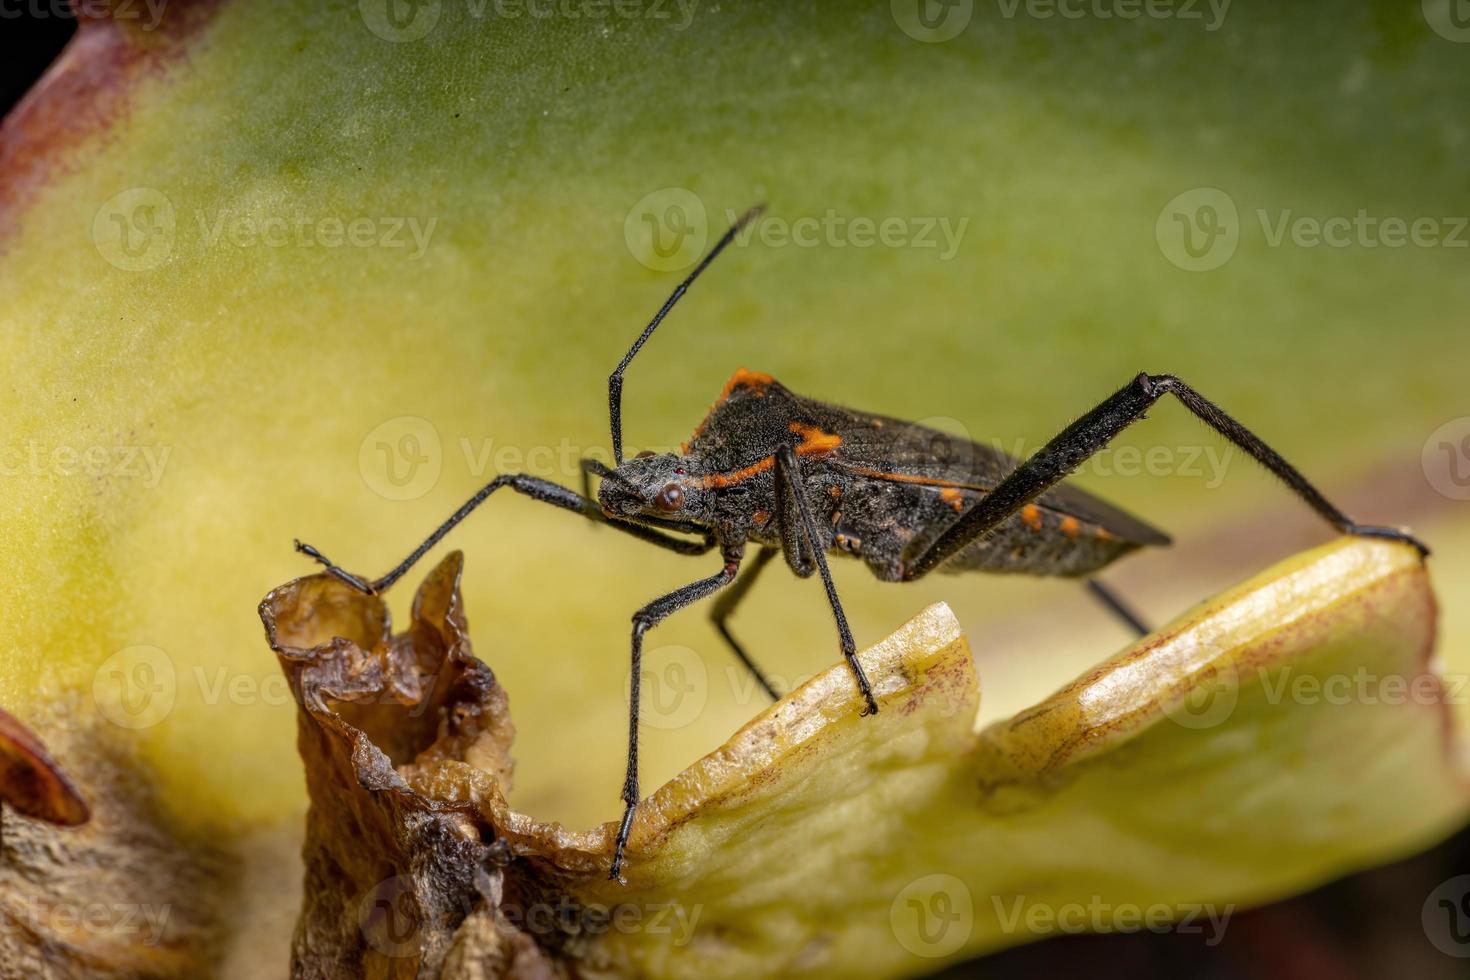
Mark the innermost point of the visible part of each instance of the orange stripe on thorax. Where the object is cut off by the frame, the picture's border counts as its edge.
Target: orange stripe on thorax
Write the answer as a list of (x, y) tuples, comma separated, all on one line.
[(814, 442), (717, 480)]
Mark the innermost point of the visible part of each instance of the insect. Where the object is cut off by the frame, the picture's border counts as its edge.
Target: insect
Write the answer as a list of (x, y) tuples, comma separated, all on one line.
[(802, 479)]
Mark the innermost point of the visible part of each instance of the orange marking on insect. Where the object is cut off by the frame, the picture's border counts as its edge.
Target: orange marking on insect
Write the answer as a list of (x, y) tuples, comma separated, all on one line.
[(716, 481), (742, 378), (1070, 526), (815, 442), (1103, 534), (953, 497), (1031, 515), (925, 481), (761, 516)]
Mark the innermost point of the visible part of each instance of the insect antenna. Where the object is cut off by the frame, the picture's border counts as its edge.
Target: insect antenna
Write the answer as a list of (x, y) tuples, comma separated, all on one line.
[(615, 382)]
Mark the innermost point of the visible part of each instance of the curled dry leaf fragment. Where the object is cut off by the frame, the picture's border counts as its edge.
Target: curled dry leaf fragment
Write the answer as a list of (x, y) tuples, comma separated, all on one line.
[(31, 783), (1202, 769), (398, 883)]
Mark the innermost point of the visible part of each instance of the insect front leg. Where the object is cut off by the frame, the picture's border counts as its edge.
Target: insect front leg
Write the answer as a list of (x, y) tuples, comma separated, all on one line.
[(537, 489), (797, 523), (644, 620), (590, 468), (796, 544), (1090, 433)]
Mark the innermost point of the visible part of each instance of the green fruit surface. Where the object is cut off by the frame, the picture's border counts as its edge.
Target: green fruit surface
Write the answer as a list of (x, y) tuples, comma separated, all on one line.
[(266, 355)]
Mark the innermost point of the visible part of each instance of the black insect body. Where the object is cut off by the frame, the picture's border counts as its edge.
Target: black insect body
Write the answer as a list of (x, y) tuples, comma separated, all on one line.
[(802, 479), (878, 488)]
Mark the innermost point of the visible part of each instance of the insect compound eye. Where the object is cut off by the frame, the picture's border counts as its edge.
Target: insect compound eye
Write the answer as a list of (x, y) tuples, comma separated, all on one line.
[(670, 497), (646, 454)]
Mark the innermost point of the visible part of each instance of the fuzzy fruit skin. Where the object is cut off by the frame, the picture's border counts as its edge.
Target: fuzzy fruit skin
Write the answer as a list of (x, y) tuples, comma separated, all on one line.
[(266, 369)]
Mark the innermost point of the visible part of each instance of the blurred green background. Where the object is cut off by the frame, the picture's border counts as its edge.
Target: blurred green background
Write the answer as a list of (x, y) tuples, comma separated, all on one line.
[(183, 282)]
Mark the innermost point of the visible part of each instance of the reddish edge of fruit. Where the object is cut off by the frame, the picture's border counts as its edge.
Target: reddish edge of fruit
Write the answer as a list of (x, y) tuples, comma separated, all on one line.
[(71, 110)]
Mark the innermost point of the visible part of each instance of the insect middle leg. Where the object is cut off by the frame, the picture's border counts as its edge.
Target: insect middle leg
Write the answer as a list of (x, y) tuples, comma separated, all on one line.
[(644, 620), (1090, 433), (725, 608), (804, 547), (537, 489)]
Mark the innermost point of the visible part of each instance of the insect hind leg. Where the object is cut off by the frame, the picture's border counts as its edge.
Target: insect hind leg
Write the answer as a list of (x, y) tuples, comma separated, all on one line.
[(1115, 605), (1079, 441)]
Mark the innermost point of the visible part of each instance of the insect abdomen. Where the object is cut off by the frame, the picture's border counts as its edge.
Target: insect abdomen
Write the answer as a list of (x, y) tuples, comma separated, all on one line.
[(1041, 542)]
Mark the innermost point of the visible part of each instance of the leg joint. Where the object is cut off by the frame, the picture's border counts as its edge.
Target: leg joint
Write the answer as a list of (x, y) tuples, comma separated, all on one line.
[(1155, 385)]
